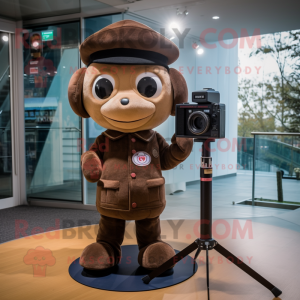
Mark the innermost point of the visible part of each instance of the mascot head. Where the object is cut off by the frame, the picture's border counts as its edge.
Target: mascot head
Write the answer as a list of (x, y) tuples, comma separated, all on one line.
[(127, 85)]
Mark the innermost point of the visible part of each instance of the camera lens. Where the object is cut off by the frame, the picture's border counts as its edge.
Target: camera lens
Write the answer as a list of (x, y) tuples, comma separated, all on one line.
[(198, 122)]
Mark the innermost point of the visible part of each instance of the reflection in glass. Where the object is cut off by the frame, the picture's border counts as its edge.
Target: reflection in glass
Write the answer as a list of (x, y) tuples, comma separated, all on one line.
[(52, 130), (5, 120)]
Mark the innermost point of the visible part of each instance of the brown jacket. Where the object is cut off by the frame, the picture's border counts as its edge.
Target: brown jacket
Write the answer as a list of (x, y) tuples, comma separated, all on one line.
[(133, 190)]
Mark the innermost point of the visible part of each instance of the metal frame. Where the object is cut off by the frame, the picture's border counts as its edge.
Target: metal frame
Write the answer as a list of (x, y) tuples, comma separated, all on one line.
[(254, 154), (276, 133), (16, 120), (83, 136)]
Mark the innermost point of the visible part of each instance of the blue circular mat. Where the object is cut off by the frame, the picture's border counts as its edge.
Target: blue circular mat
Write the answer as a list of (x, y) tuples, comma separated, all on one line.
[(127, 276)]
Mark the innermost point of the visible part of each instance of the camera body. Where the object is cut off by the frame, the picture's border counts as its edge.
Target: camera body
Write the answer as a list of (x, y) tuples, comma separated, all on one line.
[(204, 120)]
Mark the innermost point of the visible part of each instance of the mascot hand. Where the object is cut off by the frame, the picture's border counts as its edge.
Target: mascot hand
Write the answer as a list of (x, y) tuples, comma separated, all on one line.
[(91, 166), (184, 147)]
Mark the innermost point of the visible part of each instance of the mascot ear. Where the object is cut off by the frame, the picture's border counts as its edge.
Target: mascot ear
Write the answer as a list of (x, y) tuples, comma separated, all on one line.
[(180, 90), (75, 93)]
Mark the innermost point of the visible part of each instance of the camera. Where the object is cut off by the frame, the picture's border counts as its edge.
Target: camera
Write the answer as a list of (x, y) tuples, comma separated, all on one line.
[(205, 119)]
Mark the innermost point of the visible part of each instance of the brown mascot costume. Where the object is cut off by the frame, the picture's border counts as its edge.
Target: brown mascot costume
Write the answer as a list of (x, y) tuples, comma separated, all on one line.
[(129, 89)]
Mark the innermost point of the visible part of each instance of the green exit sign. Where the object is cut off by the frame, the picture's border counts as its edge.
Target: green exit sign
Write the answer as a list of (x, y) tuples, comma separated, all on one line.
[(47, 35)]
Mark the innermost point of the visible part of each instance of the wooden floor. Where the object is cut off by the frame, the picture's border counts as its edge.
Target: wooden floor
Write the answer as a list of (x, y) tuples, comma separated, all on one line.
[(273, 252)]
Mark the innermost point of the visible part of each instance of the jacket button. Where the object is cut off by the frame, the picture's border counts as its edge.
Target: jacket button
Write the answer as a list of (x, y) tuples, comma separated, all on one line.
[(133, 205), (133, 151), (133, 140), (133, 175)]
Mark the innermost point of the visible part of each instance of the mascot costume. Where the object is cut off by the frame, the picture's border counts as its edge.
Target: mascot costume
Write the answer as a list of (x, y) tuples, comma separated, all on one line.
[(129, 89)]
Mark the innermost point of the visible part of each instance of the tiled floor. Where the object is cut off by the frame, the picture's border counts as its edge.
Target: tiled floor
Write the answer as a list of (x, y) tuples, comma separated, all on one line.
[(186, 205)]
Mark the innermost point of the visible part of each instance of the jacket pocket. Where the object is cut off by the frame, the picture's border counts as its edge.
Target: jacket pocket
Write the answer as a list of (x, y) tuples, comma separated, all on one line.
[(110, 191), (155, 188)]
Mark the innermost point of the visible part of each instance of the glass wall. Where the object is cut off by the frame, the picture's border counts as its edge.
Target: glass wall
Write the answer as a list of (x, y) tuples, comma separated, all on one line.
[(52, 130), (6, 188), (269, 102)]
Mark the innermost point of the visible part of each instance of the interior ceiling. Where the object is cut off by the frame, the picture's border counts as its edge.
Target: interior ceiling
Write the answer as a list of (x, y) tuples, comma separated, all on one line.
[(267, 15)]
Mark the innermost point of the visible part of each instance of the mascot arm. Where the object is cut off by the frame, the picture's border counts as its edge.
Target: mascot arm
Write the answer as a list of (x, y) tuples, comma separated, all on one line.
[(172, 155), (91, 161)]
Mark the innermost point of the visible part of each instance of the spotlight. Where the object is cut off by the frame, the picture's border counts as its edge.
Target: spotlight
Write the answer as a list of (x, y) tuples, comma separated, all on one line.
[(182, 13), (5, 38), (216, 17), (178, 12), (195, 45), (200, 51)]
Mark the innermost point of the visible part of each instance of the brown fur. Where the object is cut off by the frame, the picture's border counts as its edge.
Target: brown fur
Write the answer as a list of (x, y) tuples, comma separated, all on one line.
[(156, 111), (75, 93), (126, 191)]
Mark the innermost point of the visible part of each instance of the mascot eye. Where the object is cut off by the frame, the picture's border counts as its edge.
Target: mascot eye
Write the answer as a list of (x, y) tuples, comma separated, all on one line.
[(103, 86), (148, 85)]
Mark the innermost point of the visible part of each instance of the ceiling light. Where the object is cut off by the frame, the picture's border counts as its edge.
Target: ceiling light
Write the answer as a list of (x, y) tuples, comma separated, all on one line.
[(216, 17), (174, 25), (172, 38), (200, 51), (5, 38), (180, 13), (35, 44)]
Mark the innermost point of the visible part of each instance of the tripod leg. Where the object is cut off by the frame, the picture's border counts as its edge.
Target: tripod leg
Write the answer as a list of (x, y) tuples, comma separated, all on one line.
[(207, 273), (275, 291), (169, 263), (196, 255)]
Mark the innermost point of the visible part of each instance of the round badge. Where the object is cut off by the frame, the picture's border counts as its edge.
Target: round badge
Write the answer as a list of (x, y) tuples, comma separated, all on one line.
[(141, 158)]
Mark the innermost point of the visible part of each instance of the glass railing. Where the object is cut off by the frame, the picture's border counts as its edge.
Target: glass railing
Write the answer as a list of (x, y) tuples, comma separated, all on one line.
[(53, 163), (270, 153)]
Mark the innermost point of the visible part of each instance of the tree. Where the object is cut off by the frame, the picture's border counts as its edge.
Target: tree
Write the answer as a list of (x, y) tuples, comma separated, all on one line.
[(282, 92), (274, 104), (293, 82), (254, 114)]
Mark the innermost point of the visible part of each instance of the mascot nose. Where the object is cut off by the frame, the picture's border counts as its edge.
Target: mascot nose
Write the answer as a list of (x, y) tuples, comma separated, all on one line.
[(124, 101)]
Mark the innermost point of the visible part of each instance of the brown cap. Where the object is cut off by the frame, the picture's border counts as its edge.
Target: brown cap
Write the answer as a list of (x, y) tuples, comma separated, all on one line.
[(128, 42)]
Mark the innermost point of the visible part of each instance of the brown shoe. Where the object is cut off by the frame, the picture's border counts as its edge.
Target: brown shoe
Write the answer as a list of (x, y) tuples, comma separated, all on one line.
[(97, 256), (154, 255)]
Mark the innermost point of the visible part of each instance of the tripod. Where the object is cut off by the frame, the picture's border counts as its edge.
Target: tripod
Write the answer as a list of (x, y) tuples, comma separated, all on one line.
[(206, 242)]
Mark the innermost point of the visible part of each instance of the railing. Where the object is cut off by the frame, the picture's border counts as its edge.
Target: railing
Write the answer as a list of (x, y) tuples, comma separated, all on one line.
[(45, 147), (282, 152), (50, 128)]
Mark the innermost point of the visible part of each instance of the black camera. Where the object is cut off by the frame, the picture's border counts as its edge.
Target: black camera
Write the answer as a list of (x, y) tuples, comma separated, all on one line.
[(204, 120)]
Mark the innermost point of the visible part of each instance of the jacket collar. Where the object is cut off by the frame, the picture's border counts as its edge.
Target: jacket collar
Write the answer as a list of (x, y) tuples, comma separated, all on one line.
[(145, 135)]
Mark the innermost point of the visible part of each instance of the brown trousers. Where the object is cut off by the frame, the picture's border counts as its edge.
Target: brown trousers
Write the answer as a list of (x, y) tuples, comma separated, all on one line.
[(112, 231)]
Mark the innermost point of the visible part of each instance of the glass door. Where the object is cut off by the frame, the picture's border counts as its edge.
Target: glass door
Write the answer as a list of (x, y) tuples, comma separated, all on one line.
[(52, 130), (8, 196)]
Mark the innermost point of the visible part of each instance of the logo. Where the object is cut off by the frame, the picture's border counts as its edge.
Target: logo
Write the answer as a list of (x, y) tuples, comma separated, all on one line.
[(39, 258), (141, 159)]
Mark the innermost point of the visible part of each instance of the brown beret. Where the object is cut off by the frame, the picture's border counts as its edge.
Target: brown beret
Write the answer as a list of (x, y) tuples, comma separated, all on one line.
[(128, 42)]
